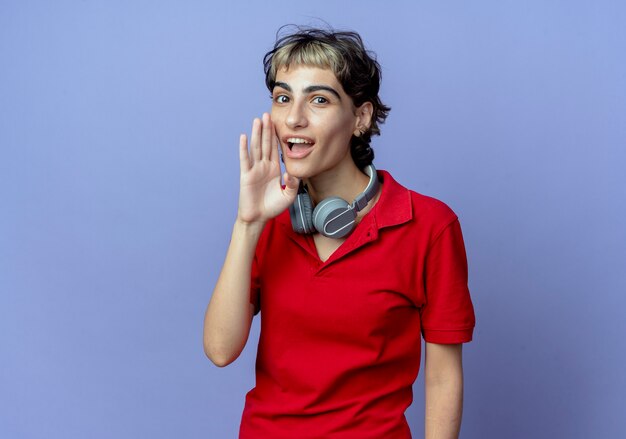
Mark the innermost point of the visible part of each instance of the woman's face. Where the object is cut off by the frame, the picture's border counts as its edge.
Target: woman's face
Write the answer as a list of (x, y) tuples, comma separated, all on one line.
[(314, 120)]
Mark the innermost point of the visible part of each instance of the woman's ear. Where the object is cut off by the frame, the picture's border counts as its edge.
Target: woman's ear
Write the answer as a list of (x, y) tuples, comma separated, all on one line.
[(363, 121)]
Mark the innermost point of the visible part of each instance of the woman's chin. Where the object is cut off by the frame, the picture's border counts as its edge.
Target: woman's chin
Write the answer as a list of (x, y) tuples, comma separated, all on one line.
[(297, 170)]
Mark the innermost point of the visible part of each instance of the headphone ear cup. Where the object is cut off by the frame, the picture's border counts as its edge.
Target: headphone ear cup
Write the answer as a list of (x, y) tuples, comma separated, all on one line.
[(301, 212), (333, 217)]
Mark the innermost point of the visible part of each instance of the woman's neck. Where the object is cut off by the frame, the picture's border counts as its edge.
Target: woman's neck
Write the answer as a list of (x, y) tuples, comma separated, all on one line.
[(346, 182)]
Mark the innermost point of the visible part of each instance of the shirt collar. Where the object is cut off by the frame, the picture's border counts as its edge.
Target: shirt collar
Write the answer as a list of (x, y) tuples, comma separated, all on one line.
[(394, 206)]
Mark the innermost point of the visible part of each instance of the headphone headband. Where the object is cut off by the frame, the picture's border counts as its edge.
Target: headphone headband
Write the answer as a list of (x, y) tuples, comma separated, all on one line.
[(370, 191)]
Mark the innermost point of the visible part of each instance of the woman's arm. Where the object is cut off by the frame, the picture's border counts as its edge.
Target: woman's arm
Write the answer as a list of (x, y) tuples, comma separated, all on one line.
[(229, 314), (444, 391)]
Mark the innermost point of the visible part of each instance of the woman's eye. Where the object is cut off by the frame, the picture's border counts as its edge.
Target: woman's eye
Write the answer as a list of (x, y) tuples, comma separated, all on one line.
[(281, 99), (320, 100)]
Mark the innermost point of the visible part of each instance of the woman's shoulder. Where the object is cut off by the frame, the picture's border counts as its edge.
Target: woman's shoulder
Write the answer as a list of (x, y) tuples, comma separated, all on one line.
[(423, 207), (431, 206)]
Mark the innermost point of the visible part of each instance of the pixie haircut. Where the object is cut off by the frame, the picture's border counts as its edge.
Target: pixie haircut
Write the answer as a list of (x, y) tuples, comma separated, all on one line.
[(355, 67)]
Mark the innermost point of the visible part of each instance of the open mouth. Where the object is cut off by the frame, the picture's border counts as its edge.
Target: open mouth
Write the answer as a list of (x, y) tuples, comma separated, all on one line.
[(298, 147), (298, 143)]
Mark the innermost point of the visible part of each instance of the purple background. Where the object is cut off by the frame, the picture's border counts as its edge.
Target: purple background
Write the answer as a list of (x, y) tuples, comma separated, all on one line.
[(119, 124)]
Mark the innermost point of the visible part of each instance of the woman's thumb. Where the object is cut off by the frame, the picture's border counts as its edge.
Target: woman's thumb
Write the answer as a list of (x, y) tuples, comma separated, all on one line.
[(291, 185)]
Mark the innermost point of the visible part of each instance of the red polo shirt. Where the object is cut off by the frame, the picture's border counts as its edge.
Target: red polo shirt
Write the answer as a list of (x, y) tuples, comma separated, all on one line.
[(340, 340)]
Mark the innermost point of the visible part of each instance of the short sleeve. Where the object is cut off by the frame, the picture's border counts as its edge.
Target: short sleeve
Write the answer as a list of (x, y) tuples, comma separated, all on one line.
[(448, 314)]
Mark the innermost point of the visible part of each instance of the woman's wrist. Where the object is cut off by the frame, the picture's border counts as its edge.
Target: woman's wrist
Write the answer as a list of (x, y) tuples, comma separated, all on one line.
[(249, 227)]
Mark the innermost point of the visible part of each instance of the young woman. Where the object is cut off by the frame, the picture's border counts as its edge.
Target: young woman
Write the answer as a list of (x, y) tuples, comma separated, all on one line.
[(348, 268)]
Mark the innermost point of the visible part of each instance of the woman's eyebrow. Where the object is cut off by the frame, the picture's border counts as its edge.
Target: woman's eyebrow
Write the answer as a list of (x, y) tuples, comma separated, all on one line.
[(310, 88), (283, 85)]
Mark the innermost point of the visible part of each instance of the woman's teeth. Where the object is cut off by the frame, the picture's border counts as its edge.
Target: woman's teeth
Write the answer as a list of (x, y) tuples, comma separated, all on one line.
[(295, 140)]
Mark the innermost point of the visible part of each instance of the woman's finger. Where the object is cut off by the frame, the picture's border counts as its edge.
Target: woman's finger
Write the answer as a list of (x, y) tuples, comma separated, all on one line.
[(244, 159), (266, 137), (255, 141), (274, 147)]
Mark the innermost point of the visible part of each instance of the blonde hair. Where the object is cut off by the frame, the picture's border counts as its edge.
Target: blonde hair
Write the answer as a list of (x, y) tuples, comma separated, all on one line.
[(315, 53)]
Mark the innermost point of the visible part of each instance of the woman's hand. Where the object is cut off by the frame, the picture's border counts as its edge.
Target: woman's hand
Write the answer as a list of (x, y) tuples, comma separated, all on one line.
[(261, 195)]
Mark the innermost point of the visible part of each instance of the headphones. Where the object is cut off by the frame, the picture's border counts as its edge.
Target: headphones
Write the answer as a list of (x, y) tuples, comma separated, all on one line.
[(333, 216)]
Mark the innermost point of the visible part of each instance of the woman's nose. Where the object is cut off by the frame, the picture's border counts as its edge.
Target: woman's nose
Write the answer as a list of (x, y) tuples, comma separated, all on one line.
[(296, 118)]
